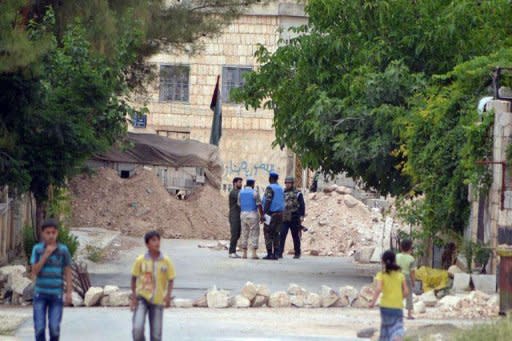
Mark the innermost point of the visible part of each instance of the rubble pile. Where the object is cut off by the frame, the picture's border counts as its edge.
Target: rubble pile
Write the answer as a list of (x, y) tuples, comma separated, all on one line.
[(141, 203), (472, 305), (339, 224), (15, 286)]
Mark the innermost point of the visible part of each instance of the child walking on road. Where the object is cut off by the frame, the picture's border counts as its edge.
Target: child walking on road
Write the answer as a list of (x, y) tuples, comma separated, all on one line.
[(408, 265), (152, 283), (51, 264), (391, 282)]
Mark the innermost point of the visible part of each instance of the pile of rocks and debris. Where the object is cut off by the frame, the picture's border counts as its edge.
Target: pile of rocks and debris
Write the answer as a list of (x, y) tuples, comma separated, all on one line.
[(15, 285), (472, 305), (140, 203), (341, 225), (259, 295)]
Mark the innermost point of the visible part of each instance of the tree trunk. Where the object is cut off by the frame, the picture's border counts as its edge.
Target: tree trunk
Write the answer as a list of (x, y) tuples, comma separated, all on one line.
[(40, 216)]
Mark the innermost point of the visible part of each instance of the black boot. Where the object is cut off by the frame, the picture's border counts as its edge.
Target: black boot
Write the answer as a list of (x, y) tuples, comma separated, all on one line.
[(269, 256)]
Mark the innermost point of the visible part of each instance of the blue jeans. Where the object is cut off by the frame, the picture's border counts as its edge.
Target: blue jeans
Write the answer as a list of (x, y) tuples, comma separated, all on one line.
[(155, 313), (52, 304)]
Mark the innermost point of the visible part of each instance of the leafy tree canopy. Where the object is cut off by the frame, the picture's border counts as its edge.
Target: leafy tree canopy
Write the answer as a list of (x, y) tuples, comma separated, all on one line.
[(357, 91)]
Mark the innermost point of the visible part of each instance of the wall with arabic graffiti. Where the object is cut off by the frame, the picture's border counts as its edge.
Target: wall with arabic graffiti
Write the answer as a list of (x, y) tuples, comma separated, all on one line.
[(250, 154)]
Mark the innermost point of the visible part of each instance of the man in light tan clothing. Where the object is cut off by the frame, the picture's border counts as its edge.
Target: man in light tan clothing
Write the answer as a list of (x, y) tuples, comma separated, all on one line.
[(250, 205)]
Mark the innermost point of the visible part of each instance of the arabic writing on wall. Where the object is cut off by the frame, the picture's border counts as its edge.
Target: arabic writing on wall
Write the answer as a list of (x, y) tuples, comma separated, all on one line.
[(246, 169)]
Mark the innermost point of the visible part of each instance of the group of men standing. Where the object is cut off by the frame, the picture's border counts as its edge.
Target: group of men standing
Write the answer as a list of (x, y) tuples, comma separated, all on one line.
[(280, 210)]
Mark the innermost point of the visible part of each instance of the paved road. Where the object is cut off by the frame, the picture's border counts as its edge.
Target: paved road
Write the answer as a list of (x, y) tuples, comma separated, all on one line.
[(200, 268), (114, 324)]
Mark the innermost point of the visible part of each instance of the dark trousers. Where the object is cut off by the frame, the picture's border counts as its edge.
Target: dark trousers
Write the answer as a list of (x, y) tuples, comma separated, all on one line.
[(294, 227), (271, 233), (51, 306), (236, 228)]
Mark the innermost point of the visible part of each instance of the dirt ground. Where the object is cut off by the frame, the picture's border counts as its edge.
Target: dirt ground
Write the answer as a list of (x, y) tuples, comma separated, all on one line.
[(138, 204)]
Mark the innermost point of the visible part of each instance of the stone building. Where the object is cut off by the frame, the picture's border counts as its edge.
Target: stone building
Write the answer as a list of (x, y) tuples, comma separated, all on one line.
[(493, 212), (179, 101)]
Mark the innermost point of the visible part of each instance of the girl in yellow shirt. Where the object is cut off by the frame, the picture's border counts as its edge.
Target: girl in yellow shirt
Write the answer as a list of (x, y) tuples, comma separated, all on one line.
[(391, 283)]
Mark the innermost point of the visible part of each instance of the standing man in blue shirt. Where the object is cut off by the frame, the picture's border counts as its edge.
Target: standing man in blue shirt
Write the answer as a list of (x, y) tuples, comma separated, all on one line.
[(51, 263), (273, 206)]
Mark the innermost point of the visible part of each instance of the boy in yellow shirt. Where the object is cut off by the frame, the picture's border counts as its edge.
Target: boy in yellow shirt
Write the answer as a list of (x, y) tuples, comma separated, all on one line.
[(152, 283), (391, 283), (406, 262)]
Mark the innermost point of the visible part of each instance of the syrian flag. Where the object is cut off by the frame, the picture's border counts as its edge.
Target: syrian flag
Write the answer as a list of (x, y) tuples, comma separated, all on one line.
[(216, 107)]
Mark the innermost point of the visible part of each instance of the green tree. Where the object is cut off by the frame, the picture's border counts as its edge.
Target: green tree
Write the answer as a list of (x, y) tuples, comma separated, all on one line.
[(67, 69), (62, 110), (355, 92)]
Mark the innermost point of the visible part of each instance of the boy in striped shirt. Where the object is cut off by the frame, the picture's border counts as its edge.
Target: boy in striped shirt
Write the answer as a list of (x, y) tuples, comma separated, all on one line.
[(51, 263)]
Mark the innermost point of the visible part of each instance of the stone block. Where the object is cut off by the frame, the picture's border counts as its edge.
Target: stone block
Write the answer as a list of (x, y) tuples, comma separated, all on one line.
[(461, 282), (312, 300), (217, 299), (76, 299), (240, 301), (119, 299), (297, 300), (109, 289), (18, 283), (429, 298), (484, 283), (364, 254), (259, 301), (349, 292), (201, 302), (279, 300), (249, 291), (5, 271), (420, 308), (263, 290), (294, 289), (329, 296), (93, 296), (377, 254), (449, 302)]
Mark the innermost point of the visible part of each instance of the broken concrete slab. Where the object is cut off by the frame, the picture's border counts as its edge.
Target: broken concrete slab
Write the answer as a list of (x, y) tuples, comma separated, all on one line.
[(484, 283), (461, 282), (429, 298), (364, 255)]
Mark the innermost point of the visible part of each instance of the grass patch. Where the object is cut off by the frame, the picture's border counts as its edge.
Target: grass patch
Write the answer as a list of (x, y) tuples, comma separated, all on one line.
[(94, 253), (500, 330)]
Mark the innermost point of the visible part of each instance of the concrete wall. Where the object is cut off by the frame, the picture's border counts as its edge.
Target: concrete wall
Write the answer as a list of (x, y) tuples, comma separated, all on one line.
[(246, 144)]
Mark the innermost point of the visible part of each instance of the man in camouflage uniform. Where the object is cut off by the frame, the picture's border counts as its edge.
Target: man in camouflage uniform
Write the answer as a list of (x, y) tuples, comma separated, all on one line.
[(252, 213), (234, 217), (293, 216), (273, 206)]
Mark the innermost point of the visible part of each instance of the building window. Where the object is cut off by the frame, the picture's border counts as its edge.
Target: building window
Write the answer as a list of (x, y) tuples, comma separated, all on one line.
[(174, 83), (232, 78)]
